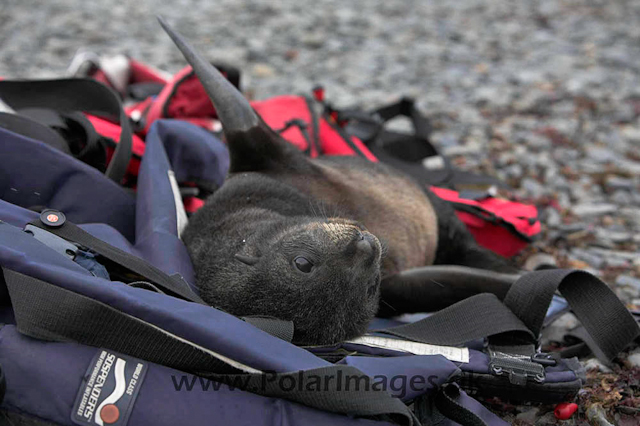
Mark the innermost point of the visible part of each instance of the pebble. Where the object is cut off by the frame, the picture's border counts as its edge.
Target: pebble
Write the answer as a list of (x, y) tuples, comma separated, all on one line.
[(597, 416), (552, 217), (586, 256), (627, 280), (634, 358), (595, 364), (585, 210), (616, 182), (529, 416)]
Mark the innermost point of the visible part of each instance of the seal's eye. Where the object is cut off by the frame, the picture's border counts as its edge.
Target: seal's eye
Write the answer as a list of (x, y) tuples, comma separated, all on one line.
[(303, 264)]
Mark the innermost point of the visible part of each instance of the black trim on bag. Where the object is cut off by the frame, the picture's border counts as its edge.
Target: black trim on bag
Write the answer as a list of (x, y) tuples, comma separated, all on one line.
[(315, 127), (344, 136)]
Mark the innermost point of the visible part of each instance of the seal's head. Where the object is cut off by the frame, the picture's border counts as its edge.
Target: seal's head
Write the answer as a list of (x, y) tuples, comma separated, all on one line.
[(324, 275)]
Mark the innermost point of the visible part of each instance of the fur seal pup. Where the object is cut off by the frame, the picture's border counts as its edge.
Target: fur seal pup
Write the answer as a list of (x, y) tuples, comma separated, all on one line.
[(322, 241)]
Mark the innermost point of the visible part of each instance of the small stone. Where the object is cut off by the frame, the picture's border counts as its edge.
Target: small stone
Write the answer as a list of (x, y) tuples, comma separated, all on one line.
[(539, 259), (609, 235), (616, 182), (597, 416), (602, 155), (263, 70), (553, 217), (628, 166), (564, 200), (595, 364), (529, 416), (467, 149), (592, 259), (626, 255), (631, 134), (532, 187), (634, 358), (314, 40), (622, 197), (627, 280), (586, 210), (556, 331), (547, 419), (617, 263), (514, 171)]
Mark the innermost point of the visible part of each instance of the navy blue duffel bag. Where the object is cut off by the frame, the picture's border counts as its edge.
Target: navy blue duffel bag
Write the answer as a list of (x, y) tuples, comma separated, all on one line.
[(102, 323)]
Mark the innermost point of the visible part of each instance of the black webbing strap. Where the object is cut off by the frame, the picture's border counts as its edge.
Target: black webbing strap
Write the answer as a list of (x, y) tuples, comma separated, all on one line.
[(74, 95), (446, 401), (168, 284), (516, 323), (172, 285), (606, 319), (32, 129), (48, 312), (407, 107), (473, 318), (274, 326)]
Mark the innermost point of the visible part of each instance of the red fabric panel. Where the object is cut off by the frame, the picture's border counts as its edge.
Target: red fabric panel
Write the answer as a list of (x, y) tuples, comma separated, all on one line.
[(276, 112), (189, 99), (112, 131), (143, 73), (191, 204), (494, 236), (333, 144)]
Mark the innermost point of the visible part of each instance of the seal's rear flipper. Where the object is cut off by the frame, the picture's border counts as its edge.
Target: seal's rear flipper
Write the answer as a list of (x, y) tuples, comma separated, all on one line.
[(253, 145), (431, 288)]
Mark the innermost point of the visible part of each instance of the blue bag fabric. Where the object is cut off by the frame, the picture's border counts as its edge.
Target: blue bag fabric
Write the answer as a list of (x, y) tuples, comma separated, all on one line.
[(107, 212)]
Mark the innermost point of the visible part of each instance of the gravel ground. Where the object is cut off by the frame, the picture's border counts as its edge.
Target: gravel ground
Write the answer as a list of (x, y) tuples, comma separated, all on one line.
[(543, 94)]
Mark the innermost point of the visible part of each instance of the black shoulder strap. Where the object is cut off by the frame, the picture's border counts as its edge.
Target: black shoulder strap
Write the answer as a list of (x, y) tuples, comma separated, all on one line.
[(34, 130), (74, 95), (407, 107), (172, 285), (514, 325)]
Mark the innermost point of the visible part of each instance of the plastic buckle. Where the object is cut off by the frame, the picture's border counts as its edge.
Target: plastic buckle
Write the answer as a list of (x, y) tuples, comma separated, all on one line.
[(544, 359), (52, 241), (519, 368)]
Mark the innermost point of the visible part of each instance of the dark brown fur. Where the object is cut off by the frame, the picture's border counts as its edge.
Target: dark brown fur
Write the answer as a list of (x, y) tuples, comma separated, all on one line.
[(335, 213)]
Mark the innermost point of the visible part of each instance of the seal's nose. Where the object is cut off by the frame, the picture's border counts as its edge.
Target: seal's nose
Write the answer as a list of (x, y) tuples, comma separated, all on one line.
[(364, 244)]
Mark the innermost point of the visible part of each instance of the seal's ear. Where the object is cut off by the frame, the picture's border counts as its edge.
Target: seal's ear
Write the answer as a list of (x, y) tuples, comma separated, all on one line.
[(247, 260), (253, 145)]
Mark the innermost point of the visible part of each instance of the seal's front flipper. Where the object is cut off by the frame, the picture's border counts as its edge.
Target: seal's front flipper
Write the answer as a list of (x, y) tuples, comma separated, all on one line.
[(432, 288), (253, 146)]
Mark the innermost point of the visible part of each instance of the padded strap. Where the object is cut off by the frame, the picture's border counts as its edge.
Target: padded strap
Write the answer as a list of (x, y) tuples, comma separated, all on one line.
[(516, 323), (473, 318), (34, 130), (74, 317), (75, 95), (608, 322)]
